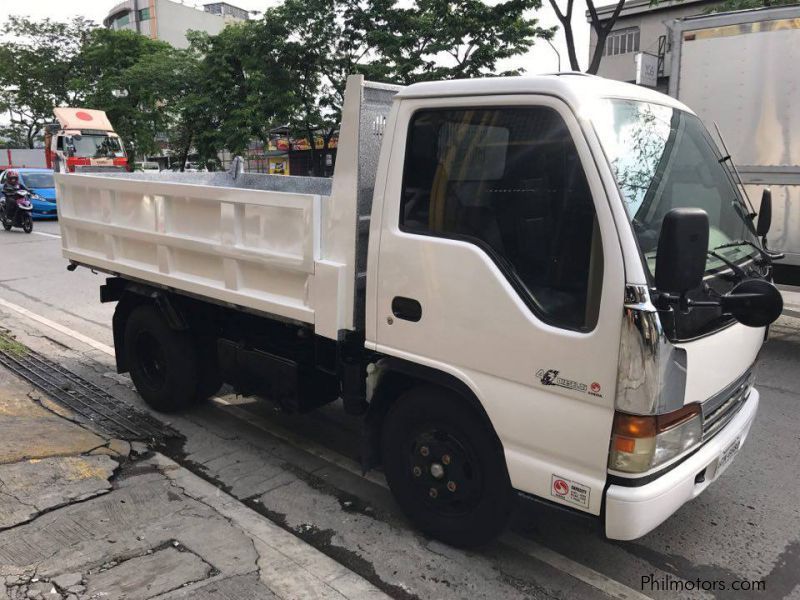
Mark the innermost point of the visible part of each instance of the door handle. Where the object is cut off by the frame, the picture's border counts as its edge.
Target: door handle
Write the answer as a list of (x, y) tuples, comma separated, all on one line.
[(407, 309)]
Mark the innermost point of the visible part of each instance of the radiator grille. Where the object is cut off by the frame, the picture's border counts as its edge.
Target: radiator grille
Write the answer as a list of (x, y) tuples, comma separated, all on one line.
[(720, 409)]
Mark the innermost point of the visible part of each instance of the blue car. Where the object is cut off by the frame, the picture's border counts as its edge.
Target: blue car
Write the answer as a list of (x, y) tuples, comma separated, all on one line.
[(40, 182)]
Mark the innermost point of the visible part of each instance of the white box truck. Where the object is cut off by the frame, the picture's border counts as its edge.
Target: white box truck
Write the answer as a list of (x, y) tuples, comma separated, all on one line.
[(739, 70), (534, 285)]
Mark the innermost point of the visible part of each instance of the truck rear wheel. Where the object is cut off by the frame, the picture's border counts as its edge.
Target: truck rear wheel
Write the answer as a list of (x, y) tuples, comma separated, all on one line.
[(163, 362), (445, 467)]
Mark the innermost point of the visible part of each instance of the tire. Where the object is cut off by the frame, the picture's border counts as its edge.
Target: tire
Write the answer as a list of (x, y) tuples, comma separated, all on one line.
[(27, 223), (6, 225), (163, 362), (446, 467)]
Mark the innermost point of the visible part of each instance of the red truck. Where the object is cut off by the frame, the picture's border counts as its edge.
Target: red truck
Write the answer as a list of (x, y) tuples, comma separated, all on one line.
[(83, 139)]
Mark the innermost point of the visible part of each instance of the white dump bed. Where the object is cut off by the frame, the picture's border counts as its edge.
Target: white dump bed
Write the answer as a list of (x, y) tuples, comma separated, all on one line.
[(286, 246)]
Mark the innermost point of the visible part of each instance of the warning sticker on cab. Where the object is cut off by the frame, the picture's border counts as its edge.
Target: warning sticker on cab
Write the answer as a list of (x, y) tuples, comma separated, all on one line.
[(570, 491)]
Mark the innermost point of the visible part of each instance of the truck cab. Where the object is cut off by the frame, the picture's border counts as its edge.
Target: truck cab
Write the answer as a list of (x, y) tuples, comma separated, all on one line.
[(523, 227), (83, 140), (543, 286)]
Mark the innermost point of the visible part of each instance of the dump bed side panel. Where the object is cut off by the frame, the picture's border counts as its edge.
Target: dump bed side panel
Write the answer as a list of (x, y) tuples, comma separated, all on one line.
[(255, 249)]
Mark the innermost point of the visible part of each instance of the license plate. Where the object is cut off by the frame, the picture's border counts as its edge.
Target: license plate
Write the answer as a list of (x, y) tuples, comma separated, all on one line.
[(727, 455)]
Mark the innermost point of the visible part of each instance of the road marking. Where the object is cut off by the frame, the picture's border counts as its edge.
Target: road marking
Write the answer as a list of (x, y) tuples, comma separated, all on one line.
[(50, 235), (589, 576), (609, 586), (58, 327)]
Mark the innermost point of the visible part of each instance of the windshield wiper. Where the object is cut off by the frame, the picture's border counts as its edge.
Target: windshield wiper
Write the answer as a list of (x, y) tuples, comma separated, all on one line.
[(737, 270)]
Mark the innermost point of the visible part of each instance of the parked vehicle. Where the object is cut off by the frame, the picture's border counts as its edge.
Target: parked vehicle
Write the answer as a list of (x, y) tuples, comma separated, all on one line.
[(528, 285), (152, 167), (22, 215), (83, 140), (734, 70), (40, 182)]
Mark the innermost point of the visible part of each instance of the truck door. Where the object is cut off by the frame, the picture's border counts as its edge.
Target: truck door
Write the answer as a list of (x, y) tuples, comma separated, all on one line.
[(500, 265)]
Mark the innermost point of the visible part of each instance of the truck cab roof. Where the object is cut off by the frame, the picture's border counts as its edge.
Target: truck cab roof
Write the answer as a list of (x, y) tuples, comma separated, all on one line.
[(79, 119), (578, 89)]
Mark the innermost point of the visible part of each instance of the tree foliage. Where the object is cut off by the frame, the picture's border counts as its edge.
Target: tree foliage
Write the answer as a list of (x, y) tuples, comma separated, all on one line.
[(136, 80), (38, 62), (287, 68)]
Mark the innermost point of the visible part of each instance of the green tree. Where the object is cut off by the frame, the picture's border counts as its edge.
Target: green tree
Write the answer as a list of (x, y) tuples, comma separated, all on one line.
[(428, 39), (38, 64), (243, 87), (137, 81)]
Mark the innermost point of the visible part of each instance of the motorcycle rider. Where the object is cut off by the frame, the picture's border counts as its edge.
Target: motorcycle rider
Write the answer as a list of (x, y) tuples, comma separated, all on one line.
[(10, 188)]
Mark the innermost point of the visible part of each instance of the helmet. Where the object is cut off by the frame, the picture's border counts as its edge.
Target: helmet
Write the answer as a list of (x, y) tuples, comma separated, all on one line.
[(12, 177)]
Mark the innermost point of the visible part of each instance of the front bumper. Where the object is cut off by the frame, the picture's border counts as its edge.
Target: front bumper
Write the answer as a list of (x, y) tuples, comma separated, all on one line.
[(632, 511)]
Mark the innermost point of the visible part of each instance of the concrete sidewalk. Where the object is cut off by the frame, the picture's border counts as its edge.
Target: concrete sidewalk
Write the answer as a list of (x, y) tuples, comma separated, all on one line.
[(85, 517)]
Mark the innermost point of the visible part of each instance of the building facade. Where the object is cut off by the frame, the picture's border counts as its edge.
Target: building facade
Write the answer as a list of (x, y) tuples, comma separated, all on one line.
[(641, 27), (169, 21)]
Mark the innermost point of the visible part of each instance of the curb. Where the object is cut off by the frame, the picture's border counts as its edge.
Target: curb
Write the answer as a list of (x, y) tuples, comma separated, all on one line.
[(289, 567)]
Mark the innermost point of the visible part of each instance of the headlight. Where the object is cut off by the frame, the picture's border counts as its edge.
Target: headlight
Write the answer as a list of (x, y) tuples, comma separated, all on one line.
[(641, 443)]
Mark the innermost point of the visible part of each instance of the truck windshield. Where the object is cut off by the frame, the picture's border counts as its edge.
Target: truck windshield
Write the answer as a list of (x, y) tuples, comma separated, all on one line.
[(97, 146), (663, 158)]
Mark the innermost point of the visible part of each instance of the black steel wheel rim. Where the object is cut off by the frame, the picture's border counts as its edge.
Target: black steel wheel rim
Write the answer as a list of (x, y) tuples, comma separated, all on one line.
[(443, 470), (152, 360)]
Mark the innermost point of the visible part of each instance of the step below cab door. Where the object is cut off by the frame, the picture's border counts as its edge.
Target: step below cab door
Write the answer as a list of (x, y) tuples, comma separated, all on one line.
[(499, 264)]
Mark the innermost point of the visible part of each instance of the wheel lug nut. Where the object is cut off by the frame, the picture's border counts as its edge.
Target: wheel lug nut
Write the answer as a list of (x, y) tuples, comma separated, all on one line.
[(451, 486), (417, 471), (446, 459), (433, 493), (424, 451)]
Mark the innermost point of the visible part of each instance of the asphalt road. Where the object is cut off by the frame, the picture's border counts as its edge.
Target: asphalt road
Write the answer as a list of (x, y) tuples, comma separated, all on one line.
[(744, 527)]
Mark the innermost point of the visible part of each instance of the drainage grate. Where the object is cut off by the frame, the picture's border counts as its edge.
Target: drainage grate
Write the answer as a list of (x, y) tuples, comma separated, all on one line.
[(105, 412)]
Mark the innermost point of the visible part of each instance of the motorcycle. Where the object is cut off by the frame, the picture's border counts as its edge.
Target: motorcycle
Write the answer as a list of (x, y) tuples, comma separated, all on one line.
[(22, 217)]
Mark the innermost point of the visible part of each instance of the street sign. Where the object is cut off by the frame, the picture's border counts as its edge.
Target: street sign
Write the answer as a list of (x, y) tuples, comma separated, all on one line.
[(646, 69)]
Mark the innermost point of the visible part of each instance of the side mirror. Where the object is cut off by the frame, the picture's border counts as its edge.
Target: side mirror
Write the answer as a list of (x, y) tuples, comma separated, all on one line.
[(682, 250), (753, 302), (764, 214)]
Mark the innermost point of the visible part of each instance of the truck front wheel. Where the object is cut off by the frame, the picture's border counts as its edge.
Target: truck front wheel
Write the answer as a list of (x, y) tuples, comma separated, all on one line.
[(163, 362), (446, 467)]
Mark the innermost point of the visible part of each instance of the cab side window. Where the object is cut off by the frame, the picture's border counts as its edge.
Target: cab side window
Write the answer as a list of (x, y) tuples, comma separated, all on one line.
[(510, 181)]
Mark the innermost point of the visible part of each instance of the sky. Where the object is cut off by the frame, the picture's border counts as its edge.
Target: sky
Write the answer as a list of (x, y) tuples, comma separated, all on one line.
[(541, 58)]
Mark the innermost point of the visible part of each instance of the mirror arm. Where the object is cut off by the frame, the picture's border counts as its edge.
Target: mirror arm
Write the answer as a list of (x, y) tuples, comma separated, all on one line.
[(771, 253), (665, 300)]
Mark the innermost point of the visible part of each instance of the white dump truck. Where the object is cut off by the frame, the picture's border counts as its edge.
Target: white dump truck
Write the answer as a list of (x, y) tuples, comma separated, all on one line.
[(738, 72), (544, 286)]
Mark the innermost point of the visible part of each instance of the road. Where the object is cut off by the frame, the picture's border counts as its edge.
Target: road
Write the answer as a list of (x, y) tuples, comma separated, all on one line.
[(302, 473)]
